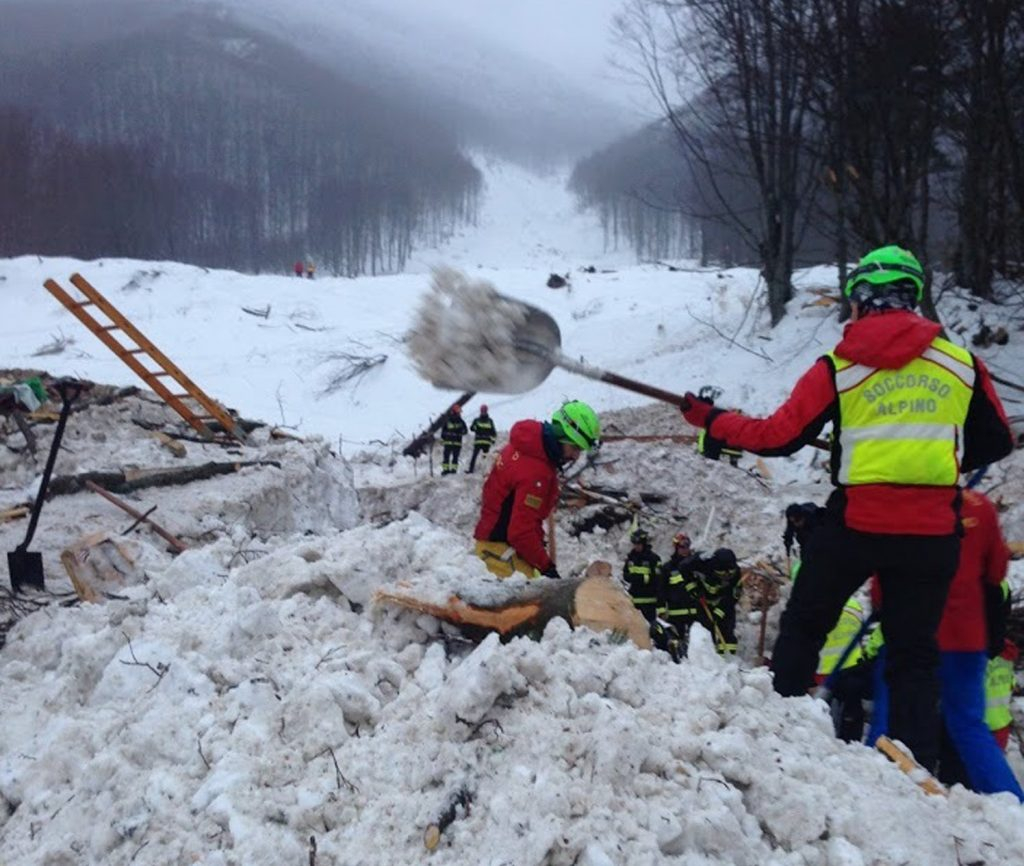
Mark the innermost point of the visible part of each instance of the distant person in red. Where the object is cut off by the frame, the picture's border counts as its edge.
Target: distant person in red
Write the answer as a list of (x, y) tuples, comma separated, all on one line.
[(299, 268), (522, 488)]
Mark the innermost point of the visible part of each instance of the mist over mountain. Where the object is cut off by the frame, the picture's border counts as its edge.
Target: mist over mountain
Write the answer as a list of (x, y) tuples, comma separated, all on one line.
[(490, 94), (247, 135)]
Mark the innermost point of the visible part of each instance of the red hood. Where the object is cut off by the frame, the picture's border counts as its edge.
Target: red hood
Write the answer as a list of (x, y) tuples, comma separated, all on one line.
[(527, 437), (887, 340), (1010, 651)]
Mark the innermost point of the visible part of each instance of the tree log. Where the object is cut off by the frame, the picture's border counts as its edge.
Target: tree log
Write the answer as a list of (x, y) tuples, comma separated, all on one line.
[(594, 600), (129, 480)]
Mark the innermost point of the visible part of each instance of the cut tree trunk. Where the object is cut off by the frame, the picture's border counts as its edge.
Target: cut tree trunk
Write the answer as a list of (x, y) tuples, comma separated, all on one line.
[(594, 600)]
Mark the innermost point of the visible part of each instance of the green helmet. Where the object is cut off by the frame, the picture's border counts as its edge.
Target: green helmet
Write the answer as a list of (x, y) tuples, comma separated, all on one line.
[(575, 422), (880, 267)]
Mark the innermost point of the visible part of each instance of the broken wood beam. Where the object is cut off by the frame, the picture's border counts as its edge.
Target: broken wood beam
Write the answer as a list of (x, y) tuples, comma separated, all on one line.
[(127, 481), (173, 540)]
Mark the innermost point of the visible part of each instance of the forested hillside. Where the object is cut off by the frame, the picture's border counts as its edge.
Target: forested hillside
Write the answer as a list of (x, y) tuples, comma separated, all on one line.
[(186, 136)]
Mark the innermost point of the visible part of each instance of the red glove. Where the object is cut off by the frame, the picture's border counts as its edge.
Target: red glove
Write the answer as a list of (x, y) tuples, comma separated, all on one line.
[(695, 410)]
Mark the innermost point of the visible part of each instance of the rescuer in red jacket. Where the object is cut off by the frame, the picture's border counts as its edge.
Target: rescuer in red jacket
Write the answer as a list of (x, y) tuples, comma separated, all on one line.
[(522, 488), (909, 411)]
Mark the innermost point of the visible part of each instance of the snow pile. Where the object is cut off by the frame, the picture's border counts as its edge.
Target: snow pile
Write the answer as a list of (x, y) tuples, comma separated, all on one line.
[(230, 715)]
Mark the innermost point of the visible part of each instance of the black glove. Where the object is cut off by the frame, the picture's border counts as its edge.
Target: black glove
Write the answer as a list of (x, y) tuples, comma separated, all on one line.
[(711, 447), (551, 572)]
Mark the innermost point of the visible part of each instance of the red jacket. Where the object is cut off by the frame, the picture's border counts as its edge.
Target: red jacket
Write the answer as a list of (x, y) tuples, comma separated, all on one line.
[(890, 341), (519, 494), (983, 559)]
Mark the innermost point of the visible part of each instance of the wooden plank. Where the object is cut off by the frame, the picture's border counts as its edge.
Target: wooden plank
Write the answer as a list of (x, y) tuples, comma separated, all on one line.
[(918, 774), (15, 513)]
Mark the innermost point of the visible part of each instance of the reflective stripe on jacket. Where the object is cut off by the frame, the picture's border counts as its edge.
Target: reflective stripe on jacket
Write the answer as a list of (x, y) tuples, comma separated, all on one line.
[(483, 430), (850, 621), (641, 575)]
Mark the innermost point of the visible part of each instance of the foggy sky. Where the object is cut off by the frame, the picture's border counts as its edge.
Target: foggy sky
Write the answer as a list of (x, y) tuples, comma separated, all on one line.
[(573, 35)]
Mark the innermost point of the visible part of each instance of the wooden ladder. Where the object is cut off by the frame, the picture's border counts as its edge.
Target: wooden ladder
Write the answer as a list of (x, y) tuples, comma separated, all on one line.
[(137, 348)]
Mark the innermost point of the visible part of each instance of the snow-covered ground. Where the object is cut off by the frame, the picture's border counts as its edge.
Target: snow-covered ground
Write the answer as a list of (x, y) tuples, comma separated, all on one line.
[(246, 703)]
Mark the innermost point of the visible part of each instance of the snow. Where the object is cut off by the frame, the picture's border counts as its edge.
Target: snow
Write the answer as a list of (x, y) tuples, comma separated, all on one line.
[(240, 701)]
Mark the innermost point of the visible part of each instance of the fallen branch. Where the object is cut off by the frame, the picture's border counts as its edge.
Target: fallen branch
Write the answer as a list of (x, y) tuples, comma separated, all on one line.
[(353, 368), (263, 314)]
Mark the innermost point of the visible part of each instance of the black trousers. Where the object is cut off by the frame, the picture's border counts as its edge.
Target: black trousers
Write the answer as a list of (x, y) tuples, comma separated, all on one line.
[(477, 450), (915, 572), (450, 459)]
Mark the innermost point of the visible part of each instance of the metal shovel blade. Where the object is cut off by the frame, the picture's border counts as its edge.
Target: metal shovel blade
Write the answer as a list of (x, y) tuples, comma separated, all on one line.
[(26, 568), (468, 337)]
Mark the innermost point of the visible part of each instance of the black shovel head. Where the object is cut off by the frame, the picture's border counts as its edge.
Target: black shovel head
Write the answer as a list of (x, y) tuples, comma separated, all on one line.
[(26, 568)]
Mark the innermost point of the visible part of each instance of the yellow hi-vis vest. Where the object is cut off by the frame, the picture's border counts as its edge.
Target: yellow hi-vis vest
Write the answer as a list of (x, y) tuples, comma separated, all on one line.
[(850, 621), (998, 691), (904, 426)]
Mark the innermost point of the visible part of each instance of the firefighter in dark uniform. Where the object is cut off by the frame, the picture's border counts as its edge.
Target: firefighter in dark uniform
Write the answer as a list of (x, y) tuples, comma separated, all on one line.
[(679, 587), (451, 437), (642, 574), (484, 436), (719, 587)]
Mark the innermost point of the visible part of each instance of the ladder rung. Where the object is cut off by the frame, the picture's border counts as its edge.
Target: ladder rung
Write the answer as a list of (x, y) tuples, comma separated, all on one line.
[(83, 303), (111, 327), (155, 373), (183, 396), (135, 351)]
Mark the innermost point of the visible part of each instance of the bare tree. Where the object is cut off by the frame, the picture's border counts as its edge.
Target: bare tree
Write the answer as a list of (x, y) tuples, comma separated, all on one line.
[(730, 77)]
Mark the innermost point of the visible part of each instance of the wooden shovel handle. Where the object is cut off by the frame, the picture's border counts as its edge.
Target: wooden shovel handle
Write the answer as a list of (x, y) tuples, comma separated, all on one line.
[(640, 388)]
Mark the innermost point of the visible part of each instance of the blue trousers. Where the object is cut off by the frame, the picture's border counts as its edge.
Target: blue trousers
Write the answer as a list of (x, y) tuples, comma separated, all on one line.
[(962, 677), (963, 711)]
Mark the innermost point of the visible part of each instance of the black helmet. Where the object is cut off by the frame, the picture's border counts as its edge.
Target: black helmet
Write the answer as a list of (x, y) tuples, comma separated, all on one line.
[(800, 509), (639, 536), (723, 559)]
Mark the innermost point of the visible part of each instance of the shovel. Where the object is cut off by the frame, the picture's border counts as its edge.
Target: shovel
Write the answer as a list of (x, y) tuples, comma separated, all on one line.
[(468, 337), (25, 566)]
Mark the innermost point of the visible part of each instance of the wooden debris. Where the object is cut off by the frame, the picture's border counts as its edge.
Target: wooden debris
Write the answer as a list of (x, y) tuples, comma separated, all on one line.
[(278, 433), (15, 513), (173, 540), (97, 565), (171, 444), (1016, 549), (905, 761), (422, 443), (462, 798)]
